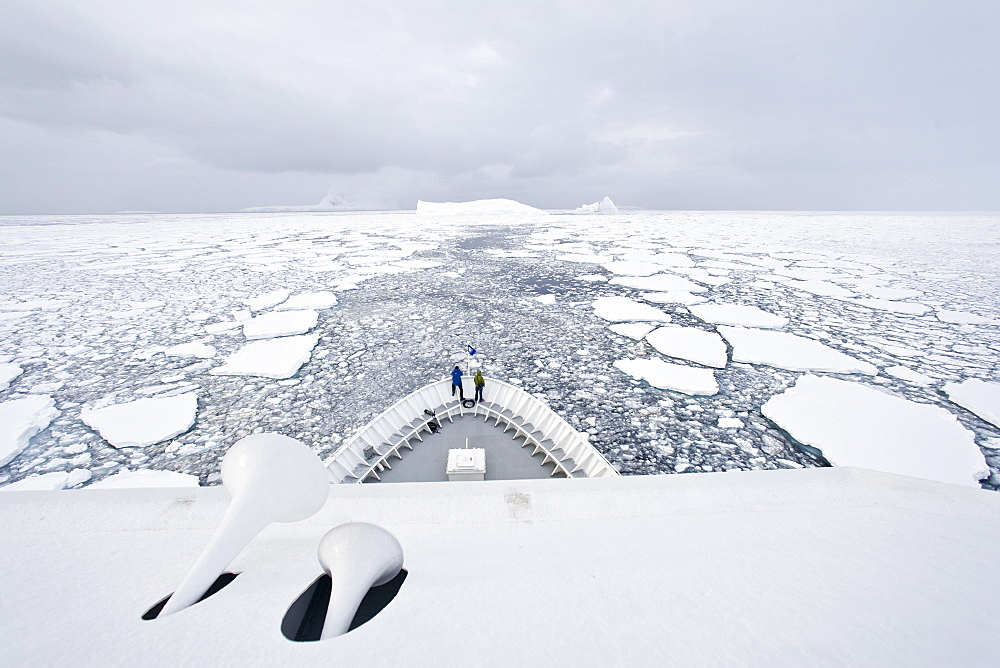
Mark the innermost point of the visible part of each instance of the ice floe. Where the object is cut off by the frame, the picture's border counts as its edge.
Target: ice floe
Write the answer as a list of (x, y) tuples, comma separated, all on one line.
[(666, 376), (267, 300), (978, 396), (963, 318), (545, 299), (633, 330), (200, 350), (309, 300), (279, 323), (658, 283), (855, 425), (689, 343), (136, 424), (623, 309), (8, 372), (672, 297), (20, 419), (46, 482), (738, 314), (270, 358), (633, 268), (145, 478), (908, 374), (908, 308), (789, 351)]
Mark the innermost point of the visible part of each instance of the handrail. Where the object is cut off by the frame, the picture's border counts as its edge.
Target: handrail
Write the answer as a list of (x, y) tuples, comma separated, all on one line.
[(349, 460)]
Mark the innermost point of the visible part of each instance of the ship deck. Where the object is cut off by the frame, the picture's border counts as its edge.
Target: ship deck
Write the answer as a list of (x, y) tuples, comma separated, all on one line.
[(506, 459)]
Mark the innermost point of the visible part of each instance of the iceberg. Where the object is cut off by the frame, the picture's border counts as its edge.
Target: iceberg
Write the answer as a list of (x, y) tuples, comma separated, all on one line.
[(604, 206), (476, 207)]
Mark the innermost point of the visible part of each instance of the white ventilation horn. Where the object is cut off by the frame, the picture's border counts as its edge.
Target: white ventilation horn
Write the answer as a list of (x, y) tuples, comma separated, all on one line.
[(358, 556), (272, 478)]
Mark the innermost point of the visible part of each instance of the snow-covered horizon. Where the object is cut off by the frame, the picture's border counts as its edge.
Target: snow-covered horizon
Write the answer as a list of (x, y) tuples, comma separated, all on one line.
[(661, 335)]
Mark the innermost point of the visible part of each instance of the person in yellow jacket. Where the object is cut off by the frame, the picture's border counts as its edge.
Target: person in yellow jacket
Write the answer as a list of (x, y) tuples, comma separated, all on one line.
[(480, 384)]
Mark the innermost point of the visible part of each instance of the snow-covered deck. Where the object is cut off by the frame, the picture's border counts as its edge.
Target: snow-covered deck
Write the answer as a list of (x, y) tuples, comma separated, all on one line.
[(816, 566)]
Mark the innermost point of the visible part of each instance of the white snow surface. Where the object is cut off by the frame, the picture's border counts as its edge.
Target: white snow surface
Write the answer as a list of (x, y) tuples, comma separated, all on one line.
[(789, 351), (8, 372), (280, 323), (978, 396), (476, 207), (856, 425), (143, 422), (738, 314), (271, 358), (20, 419), (145, 478), (666, 376), (623, 309), (672, 297), (312, 300), (689, 343)]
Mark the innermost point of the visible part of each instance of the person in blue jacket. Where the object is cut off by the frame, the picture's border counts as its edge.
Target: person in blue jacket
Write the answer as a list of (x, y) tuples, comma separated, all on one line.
[(456, 381)]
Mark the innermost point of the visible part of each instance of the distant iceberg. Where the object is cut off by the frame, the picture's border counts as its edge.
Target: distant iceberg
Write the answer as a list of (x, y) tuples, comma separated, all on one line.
[(334, 201), (604, 206), (477, 207)]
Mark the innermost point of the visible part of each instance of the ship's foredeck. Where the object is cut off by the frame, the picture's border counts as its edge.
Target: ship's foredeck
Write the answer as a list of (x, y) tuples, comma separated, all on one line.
[(506, 459)]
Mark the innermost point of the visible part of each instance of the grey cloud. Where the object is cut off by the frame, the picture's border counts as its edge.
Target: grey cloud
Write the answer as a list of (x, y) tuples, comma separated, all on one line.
[(657, 100)]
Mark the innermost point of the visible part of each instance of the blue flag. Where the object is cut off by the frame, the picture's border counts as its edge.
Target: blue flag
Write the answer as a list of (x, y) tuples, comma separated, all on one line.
[(472, 351)]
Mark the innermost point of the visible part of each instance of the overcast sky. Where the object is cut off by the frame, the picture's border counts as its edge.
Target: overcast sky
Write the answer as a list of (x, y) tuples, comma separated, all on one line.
[(708, 104)]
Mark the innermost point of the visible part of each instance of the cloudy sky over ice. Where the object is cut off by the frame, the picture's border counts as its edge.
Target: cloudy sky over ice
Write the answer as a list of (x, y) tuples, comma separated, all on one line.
[(112, 105)]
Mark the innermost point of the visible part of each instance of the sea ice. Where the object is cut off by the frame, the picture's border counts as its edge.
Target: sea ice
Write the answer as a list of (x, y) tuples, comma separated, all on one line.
[(689, 343), (679, 378), (623, 309), (279, 323), (855, 425), (632, 268), (658, 283), (144, 422), (905, 373), (545, 299), (45, 482), (820, 288), (978, 396), (907, 308), (962, 318), (200, 350), (738, 314), (8, 372), (145, 478), (267, 300), (788, 351), (593, 278), (20, 419), (672, 297), (633, 330), (272, 358)]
